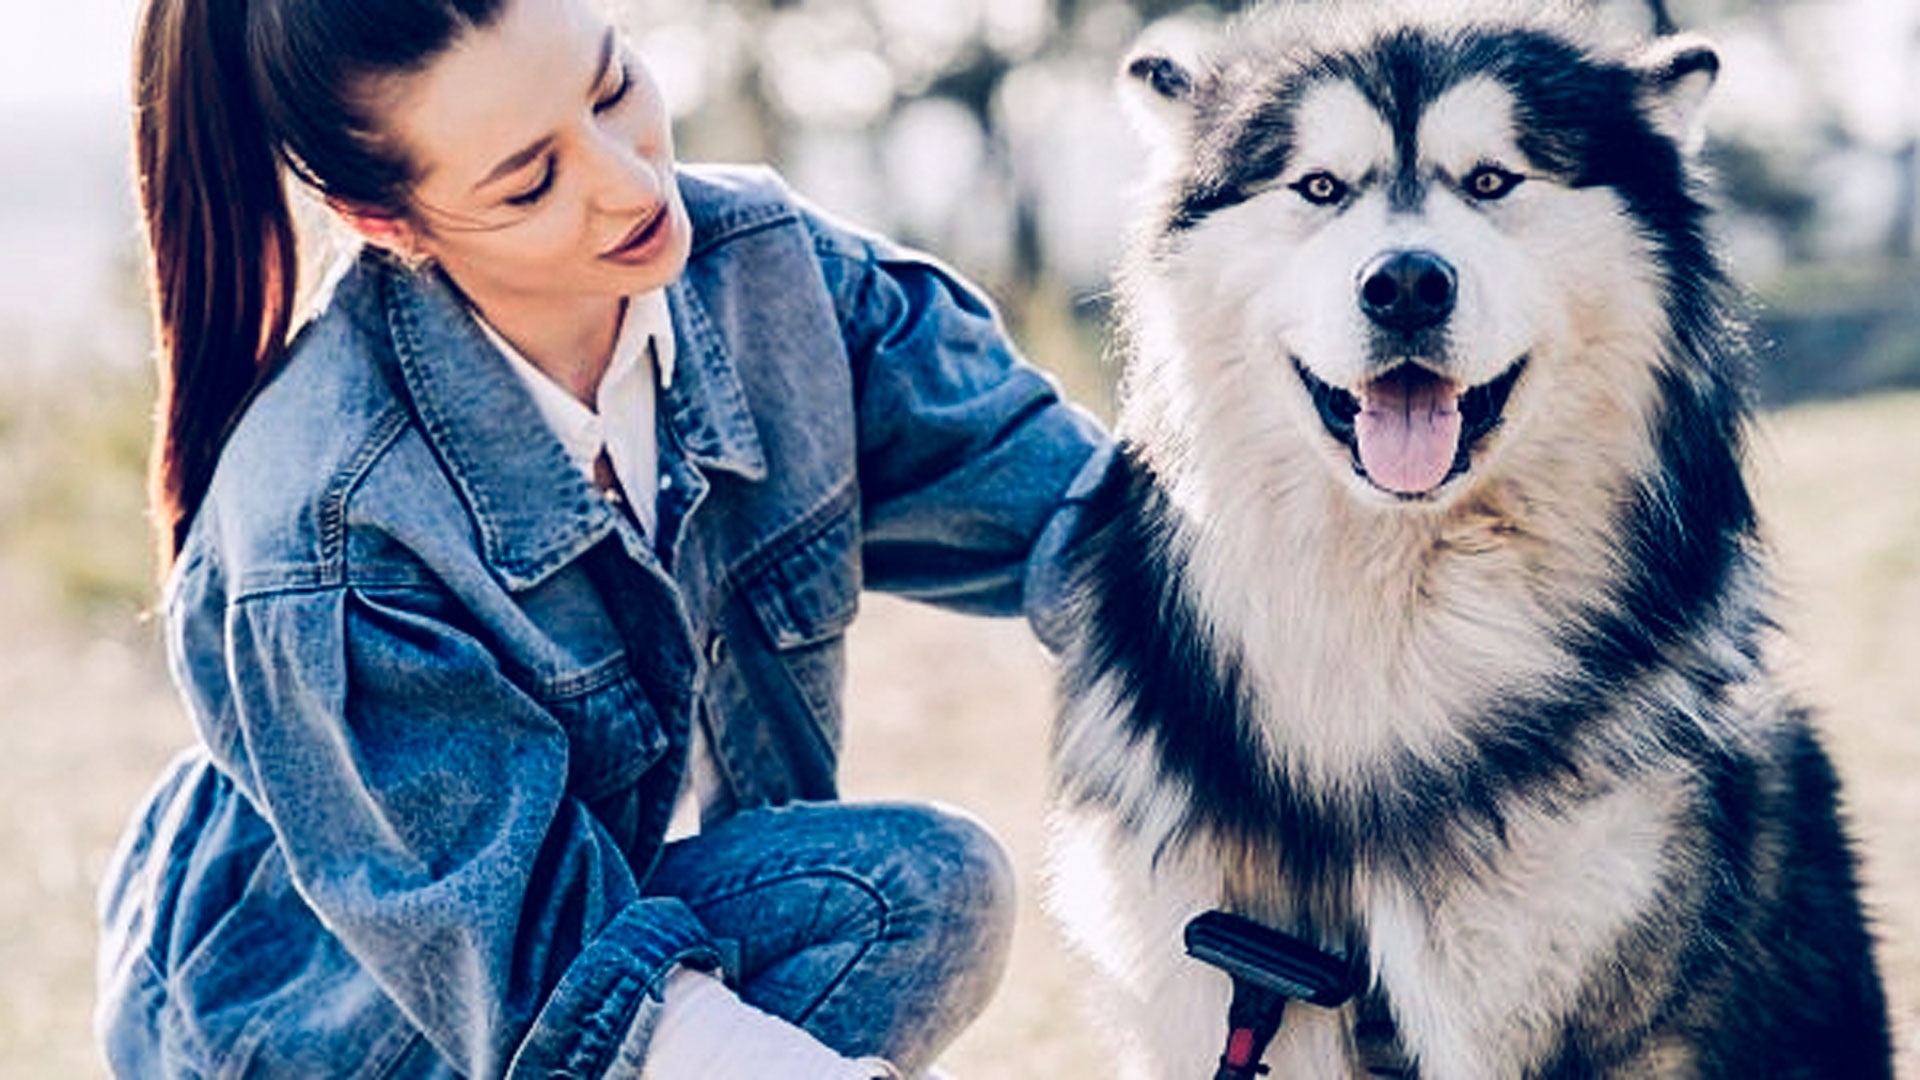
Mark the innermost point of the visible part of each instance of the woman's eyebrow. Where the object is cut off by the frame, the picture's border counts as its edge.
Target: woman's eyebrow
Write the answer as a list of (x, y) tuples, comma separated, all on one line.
[(519, 159)]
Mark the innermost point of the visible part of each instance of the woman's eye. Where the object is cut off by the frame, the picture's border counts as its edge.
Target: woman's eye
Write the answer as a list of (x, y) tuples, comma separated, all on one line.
[(538, 191), (1321, 188), (1490, 182), (618, 93)]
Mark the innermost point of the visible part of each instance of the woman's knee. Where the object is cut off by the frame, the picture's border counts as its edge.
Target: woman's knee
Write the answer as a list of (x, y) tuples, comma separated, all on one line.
[(955, 884), (949, 889)]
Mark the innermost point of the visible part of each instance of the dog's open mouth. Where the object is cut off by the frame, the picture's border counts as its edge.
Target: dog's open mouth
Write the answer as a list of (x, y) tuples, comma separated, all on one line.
[(1411, 430)]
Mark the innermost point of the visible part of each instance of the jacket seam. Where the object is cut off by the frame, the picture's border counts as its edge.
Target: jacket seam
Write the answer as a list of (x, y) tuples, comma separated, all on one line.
[(746, 225), (601, 1039), (599, 1036), (330, 510), (546, 690), (384, 431), (559, 689), (400, 1053), (861, 262), (804, 527)]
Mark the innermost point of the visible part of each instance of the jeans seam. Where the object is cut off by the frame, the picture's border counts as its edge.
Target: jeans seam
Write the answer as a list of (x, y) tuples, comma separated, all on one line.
[(399, 1053), (880, 934)]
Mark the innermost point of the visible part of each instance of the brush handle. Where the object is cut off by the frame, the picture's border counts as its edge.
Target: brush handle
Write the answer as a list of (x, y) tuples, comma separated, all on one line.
[(1267, 958)]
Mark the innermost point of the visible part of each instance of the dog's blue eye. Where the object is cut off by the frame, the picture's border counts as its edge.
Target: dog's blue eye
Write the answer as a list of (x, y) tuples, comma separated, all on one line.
[(1320, 188), (1490, 182)]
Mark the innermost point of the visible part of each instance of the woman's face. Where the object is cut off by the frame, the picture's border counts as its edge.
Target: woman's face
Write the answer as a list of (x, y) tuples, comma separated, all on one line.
[(544, 161)]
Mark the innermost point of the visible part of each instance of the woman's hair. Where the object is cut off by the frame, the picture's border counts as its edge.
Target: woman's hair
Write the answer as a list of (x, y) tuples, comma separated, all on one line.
[(228, 95)]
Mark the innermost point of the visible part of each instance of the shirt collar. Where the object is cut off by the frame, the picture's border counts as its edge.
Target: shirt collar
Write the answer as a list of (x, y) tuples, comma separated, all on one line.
[(582, 431), (534, 510), (649, 317)]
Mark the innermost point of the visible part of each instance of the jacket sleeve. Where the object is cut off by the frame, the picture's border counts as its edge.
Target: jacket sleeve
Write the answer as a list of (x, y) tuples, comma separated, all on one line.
[(968, 454), (421, 801)]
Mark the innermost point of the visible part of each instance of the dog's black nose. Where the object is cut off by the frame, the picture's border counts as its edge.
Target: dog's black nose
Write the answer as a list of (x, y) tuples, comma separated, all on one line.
[(1407, 290)]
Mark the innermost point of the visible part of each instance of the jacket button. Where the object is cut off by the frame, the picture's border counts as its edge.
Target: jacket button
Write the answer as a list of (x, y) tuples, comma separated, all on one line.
[(716, 650)]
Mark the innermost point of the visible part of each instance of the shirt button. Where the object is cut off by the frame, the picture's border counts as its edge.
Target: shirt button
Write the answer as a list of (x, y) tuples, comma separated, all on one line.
[(666, 482), (716, 650)]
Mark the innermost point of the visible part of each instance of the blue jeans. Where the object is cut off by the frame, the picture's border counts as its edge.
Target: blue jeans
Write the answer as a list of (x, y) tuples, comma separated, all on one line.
[(882, 928), (448, 690)]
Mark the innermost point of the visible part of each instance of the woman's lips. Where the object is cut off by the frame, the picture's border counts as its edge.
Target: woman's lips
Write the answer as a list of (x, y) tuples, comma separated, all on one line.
[(644, 242)]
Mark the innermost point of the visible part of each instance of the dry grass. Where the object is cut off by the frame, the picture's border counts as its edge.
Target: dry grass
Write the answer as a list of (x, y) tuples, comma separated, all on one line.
[(958, 709), (86, 722), (1840, 490)]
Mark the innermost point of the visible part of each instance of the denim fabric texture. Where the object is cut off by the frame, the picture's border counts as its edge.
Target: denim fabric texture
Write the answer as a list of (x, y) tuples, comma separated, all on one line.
[(880, 928), (444, 691)]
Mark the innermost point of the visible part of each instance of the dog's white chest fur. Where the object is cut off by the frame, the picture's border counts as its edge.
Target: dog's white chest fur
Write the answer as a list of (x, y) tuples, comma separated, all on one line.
[(1426, 616), (1479, 967), (1372, 634), (1481, 971)]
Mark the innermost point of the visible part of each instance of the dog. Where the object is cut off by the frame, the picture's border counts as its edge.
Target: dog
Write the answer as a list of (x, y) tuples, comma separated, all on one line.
[(1424, 614)]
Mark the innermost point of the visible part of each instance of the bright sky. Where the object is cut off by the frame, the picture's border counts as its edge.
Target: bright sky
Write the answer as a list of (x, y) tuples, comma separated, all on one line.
[(63, 52), (66, 52)]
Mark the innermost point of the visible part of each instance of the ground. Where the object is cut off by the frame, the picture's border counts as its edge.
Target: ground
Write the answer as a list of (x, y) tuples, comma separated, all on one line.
[(958, 709)]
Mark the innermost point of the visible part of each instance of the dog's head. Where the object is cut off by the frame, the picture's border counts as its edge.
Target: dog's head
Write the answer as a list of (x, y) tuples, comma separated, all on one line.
[(1424, 242)]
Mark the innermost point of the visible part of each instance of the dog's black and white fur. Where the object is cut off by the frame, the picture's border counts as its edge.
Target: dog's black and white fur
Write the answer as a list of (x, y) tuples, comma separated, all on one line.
[(1426, 617)]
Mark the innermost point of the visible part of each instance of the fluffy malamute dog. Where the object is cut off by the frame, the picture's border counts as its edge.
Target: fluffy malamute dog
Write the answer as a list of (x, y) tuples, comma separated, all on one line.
[(1428, 620)]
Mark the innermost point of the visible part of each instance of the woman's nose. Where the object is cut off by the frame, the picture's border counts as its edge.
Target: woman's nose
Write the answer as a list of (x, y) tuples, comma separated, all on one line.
[(626, 175)]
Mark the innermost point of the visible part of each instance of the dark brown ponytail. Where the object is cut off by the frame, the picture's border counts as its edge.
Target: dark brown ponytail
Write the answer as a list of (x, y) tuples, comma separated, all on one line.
[(220, 238), (227, 93)]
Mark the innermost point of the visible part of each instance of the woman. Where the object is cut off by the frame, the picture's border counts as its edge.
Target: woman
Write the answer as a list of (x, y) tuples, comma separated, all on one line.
[(550, 519)]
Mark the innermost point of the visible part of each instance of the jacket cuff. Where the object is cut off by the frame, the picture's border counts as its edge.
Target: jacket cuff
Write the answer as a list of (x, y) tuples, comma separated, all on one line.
[(599, 1019), (1049, 589)]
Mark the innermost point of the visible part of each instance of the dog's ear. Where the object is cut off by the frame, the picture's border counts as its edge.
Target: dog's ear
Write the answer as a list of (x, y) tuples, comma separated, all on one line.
[(1158, 92), (1676, 72), (1165, 76), (1160, 84)]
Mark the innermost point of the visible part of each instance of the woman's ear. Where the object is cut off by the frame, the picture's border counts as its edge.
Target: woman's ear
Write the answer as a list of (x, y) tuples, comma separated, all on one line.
[(393, 234)]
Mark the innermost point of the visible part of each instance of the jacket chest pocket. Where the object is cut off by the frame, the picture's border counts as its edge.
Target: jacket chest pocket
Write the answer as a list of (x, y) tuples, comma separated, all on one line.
[(804, 602), (776, 662), (613, 734)]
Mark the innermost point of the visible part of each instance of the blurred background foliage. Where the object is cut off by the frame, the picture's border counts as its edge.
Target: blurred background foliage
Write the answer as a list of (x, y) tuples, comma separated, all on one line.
[(986, 131)]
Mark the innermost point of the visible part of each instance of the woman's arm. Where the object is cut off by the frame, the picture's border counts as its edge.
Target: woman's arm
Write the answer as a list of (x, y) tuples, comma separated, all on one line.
[(968, 454), (421, 799)]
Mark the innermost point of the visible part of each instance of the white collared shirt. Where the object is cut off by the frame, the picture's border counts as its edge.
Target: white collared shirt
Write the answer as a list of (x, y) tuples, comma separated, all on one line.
[(621, 423), (622, 426)]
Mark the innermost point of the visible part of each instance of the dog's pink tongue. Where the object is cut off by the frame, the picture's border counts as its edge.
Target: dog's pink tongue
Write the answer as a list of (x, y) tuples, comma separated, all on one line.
[(1408, 431)]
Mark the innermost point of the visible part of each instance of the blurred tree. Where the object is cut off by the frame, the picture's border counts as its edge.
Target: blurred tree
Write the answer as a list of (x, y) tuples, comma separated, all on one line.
[(1662, 20), (984, 129), (1906, 202), (824, 87)]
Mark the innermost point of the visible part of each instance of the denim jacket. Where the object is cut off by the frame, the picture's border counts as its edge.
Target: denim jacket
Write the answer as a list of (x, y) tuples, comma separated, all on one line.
[(445, 691)]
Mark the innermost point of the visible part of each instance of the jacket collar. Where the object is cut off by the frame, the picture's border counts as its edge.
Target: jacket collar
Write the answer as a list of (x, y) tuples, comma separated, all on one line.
[(706, 403), (533, 510)]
